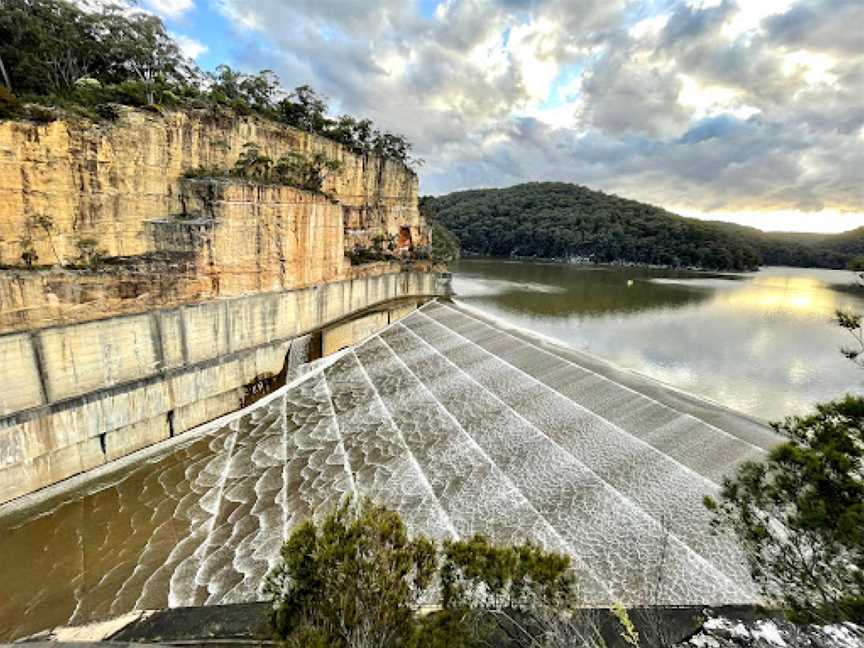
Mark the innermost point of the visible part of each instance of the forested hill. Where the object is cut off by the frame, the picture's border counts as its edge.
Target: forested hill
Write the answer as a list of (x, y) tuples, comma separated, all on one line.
[(801, 249), (560, 220)]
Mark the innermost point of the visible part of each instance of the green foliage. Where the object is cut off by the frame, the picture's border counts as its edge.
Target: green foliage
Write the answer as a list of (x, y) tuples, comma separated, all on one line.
[(53, 52), (851, 322), (476, 573), (558, 220), (800, 249), (358, 575), (628, 630), (304, 109), (357, 579), (800, 514), (445, 246), (451, 629), (252, 165), (309, 173), (362, 254), (49, 46), (294, 169), (10, 106), (856, 265)]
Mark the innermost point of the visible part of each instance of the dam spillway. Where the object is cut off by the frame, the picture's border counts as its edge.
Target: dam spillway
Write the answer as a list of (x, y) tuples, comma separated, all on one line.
[(459, 424)]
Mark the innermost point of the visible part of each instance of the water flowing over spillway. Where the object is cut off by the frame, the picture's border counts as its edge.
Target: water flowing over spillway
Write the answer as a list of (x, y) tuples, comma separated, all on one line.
[(460, 425)]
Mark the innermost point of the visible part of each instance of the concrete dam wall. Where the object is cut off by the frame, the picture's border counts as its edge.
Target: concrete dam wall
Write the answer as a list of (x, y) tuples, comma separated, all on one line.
[(460, 424), (137, 302), (77, 396)]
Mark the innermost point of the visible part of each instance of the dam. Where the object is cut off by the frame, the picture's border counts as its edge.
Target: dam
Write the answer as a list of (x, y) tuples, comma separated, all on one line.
[(194, 362), (458, 423)]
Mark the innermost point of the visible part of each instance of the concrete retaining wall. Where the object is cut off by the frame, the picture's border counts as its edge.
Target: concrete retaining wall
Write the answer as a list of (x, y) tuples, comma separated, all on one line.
[(76, 396)]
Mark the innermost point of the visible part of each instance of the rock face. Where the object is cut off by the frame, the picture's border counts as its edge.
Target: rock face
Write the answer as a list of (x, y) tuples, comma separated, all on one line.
[(720, 632), (119, 188), (203, 285), (104, 181)]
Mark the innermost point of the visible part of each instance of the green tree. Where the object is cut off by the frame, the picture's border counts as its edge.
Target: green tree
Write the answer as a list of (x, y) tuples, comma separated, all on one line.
[(356, 580), (478, 574), (306, 172), (138, 47), (47, 45), (799, 515), (304, 109), (252, 164), (244, 92), (856, 265), (56, 53)]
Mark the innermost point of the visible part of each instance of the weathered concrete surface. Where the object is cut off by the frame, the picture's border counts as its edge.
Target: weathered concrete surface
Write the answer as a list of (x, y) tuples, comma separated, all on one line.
[(340, 336), (79, 395)]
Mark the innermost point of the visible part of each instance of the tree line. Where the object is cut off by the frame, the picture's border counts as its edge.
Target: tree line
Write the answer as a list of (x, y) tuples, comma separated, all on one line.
[(55, 53), (566, 221)]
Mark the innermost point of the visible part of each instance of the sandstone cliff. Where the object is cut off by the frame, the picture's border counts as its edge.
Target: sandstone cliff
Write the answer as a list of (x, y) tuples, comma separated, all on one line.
[(170, 240), (209, 289)]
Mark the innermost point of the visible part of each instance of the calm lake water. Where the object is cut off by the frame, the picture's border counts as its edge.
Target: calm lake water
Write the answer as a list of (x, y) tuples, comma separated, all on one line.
[(761, 343)]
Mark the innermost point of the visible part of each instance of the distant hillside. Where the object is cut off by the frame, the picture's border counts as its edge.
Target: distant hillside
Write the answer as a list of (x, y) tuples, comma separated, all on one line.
[(798, 248), (560, 220)]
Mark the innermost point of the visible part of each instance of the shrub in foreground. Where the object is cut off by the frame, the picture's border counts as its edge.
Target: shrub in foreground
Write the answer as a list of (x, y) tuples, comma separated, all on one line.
[(800, 514), (358, 579)]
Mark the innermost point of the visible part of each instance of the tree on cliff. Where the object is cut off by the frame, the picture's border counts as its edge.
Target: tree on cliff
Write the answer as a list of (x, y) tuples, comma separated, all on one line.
[(54, 52), (140, 48), (304, 109), (47, 45)]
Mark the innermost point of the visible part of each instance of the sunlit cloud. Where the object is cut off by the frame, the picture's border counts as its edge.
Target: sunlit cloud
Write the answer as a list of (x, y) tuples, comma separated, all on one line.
[(169, 8), (784, 220), (190, 47), (748, 111)]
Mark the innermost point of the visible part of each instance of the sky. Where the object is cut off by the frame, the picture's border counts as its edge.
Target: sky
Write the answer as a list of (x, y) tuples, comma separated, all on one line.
[(750, 111)]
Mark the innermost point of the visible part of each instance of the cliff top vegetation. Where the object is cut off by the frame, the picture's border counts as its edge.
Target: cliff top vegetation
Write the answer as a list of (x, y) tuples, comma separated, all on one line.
[(57, 55)]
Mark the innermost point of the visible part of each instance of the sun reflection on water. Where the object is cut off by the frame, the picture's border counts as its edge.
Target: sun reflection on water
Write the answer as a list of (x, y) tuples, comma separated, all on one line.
[(796, 296)]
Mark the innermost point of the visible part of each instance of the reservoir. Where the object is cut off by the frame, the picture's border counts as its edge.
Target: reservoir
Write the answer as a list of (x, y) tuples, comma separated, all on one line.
[(762, 343)]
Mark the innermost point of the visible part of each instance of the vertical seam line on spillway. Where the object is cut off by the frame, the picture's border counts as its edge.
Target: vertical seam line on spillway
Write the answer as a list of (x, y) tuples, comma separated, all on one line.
[(497, 468), (221, 491), (404, 443), (346, 465), (468, 315), (605, 484)]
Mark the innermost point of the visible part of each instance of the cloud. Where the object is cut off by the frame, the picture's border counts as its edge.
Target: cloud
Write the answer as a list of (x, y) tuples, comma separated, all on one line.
[(170, 8), (836, 27), (711, 106), (190, 47)]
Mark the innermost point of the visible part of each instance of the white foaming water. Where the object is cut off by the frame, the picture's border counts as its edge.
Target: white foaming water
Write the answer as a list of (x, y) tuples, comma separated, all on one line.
[(456, 424)]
